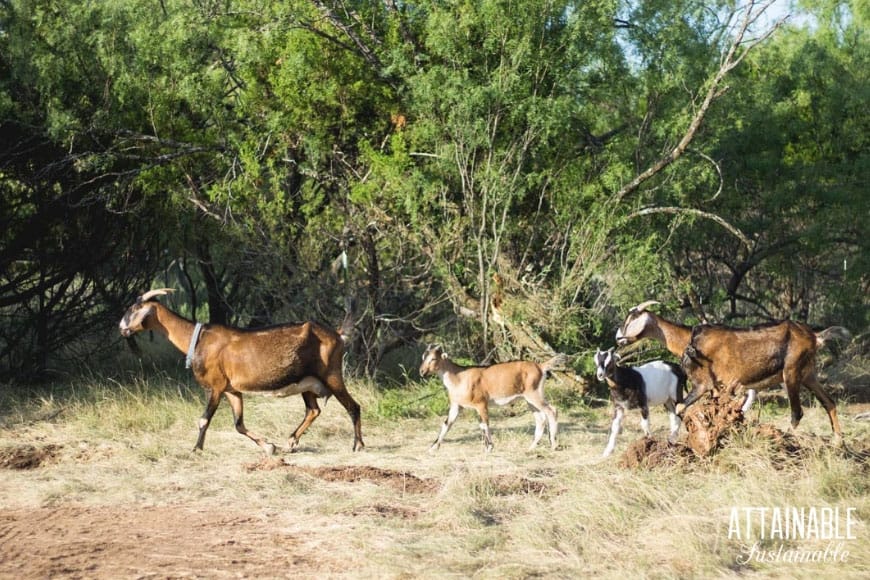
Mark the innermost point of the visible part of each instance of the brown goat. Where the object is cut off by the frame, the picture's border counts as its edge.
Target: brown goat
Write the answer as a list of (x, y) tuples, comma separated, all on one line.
[(281, 360), (474, 387), (758, 357)]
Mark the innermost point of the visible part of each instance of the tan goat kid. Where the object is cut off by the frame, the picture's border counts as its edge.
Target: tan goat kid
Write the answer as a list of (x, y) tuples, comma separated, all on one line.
[(474, 387), (282, 360)]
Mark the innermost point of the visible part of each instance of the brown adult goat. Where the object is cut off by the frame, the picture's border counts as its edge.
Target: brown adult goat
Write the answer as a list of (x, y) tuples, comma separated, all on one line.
[(475, 387), (281, 360), (759, 357)]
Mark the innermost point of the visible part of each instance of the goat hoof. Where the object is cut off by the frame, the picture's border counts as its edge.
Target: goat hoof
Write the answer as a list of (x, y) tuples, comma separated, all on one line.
[(269, 448), (358, 446), (680, 409)]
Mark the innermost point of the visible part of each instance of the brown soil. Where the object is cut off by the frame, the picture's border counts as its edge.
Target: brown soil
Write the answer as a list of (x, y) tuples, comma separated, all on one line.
[(649, 453), (27, 456), (152, 542), (78, 541), (399, 480)]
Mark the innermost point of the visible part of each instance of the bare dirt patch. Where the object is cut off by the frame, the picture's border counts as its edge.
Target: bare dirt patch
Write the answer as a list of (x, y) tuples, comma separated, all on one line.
[(399, 480), (152, 542), (27, 456)]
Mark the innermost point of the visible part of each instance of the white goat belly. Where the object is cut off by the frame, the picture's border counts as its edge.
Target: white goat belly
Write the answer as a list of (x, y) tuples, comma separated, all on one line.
[(661, 384), (306, 385), (504, 400)]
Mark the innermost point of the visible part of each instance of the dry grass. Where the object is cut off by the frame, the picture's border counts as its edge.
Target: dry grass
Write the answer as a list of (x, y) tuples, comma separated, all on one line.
[(395, 510)]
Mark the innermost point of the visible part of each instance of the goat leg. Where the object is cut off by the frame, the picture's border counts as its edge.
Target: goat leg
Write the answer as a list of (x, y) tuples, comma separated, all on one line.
[(214, 399), (644, 421), (483, 412), (747, 404), (615, 427), (675, 422), (452, 414), (235, 401), (540, 423), (336, 385), (312, 410), (812, 383), (698, 390), (552, 418)]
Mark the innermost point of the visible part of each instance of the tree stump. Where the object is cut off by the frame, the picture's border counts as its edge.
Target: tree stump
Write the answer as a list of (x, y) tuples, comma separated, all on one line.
[(711, 418)]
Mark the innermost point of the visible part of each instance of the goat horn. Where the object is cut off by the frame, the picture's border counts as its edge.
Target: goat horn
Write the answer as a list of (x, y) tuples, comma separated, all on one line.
[(644, 305), (158, 292)]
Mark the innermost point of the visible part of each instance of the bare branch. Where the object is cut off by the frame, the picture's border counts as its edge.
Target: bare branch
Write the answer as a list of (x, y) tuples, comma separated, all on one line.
[(363, 49), (696, 212), (718, 172)]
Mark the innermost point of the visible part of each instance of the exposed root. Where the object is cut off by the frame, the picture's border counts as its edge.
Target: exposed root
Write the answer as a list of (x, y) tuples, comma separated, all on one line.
[(713, 417)]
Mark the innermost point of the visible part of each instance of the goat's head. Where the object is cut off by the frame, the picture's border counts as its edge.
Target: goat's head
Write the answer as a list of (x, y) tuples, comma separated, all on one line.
[(135, 317), (636, 324), (432, 360), (605, 360)]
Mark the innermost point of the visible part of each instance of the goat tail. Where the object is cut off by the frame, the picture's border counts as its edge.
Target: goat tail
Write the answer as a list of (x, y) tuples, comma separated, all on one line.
[(833, 332), (557, 361)]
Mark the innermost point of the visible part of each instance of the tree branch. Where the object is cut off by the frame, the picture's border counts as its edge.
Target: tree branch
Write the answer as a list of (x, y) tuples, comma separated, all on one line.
[(736, 52), (696, 212)]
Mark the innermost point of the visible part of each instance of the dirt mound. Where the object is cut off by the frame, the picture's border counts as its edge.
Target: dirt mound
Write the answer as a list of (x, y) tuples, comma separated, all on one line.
[(399, 480), (649, 453), (783, 446), (27, 456), (710, 425)]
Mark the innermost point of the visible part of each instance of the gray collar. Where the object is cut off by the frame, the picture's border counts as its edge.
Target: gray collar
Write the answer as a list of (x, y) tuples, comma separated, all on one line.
[(193, 340)]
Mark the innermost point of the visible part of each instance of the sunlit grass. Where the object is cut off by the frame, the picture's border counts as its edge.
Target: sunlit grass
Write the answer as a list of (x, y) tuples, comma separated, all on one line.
[(125, 438)]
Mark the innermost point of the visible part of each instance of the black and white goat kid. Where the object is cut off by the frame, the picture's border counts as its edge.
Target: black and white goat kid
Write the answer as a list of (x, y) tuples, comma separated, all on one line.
[(654, 383)]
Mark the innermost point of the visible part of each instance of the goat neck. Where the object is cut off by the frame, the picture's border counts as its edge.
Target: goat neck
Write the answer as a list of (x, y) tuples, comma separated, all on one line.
[(674, 336), (176, 329), (447, 370)]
